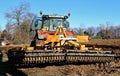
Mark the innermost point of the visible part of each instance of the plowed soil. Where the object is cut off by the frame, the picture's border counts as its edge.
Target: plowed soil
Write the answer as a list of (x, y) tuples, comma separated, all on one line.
[(74, 70), (107, 69), (112, 42)]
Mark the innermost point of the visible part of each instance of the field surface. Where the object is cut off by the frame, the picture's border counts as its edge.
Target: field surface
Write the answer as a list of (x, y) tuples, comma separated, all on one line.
[(79, 69)]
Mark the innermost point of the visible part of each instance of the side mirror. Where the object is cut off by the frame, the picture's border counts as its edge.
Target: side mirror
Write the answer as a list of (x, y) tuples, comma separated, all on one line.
[(68, 13), (40, 12)]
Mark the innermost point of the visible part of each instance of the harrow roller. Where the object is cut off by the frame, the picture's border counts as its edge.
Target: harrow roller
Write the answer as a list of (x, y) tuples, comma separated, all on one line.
[(67, 57)]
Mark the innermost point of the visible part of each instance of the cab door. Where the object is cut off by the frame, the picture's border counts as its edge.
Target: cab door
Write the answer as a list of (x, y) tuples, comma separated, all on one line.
[(36, 24)]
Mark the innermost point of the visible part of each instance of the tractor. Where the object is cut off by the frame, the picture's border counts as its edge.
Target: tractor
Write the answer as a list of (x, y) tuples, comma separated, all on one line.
[(54, 42)]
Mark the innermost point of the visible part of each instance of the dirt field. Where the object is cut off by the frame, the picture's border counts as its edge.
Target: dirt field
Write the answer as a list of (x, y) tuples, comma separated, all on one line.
[(112, 42), (81, 69), (61, 70)]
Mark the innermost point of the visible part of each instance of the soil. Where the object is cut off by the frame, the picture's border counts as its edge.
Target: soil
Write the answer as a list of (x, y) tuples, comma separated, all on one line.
[(111, 42), (61, 70), (74, 70), (107, 69)]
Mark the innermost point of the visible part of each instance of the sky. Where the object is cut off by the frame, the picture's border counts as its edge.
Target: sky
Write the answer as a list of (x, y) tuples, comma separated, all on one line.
[(84, 13)]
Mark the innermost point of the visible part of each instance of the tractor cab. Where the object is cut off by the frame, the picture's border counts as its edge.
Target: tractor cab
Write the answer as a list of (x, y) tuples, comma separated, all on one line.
[(49, 22), (47, 25)]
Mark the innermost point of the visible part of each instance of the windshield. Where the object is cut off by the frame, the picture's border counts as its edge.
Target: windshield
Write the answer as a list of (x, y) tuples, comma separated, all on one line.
[(55, 23), (52, 24)]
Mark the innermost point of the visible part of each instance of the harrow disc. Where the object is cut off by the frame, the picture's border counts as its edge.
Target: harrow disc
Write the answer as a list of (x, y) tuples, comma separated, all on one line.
[(41, 56)]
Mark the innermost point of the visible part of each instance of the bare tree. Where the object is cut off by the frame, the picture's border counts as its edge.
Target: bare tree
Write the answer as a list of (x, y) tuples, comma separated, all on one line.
[(17, 13), (5, 35), (108, 31), (79, 31), (117, 31), (26, 26), (19, 19), (90, 31)]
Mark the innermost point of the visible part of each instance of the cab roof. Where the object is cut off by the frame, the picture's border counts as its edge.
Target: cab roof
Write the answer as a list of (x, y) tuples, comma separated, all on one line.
[(55, 16)]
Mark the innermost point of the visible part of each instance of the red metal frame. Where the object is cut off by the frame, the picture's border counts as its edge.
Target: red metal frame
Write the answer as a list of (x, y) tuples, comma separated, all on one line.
[(53, 32)]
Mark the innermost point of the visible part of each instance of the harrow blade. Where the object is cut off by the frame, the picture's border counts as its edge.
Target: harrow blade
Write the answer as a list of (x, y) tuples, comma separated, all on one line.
[(68, 56)]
